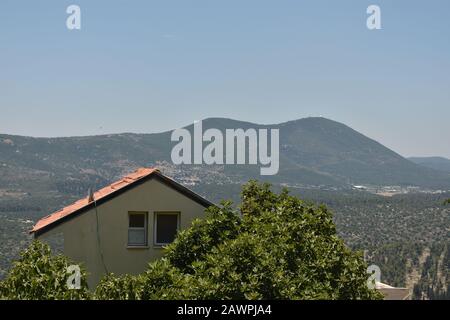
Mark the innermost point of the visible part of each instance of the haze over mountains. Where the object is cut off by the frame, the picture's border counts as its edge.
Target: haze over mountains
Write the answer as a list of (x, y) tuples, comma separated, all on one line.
[(437, 163), (313, 152)]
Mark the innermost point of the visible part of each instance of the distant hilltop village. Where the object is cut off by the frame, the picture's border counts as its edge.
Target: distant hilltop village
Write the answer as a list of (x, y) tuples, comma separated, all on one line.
[(389, 191)]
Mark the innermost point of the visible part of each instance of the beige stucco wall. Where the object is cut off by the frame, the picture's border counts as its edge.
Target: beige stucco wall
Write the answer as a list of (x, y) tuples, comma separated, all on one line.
[(80, 233)]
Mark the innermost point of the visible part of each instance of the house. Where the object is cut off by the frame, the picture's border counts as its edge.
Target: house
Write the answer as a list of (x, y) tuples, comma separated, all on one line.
[(123, 226), (392, 293)]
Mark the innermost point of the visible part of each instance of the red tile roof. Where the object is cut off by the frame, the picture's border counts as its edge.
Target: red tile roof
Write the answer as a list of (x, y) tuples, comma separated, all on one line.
[(100, 194)]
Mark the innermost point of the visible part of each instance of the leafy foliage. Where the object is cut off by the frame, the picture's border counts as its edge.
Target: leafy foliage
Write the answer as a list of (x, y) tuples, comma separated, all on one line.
[(125, 287), (38, 275)]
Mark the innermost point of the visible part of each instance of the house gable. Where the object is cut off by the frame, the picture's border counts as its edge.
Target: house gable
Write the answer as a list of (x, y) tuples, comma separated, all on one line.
[(110, 192)]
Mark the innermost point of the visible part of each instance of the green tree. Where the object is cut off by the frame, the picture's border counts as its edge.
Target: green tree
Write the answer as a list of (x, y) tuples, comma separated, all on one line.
[(275, 247), (126, 287), (39, 275)]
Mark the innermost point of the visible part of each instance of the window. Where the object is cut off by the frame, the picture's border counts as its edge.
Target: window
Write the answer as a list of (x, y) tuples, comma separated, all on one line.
[(166, 227), (137, 229)]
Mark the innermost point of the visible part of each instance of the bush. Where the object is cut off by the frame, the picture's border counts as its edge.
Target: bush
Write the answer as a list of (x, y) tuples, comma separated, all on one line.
[(125, 287), (38, 275), (162, 281)]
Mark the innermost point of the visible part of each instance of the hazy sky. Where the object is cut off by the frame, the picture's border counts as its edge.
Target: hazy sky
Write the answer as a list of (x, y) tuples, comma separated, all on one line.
[(148, 66)]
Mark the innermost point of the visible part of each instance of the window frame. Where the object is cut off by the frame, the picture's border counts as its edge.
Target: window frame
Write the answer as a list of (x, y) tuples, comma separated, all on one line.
[(135, 245), (155, 225)]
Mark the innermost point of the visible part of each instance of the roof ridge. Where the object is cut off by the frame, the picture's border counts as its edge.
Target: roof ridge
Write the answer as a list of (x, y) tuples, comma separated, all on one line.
[(98, 194), (108, 192)]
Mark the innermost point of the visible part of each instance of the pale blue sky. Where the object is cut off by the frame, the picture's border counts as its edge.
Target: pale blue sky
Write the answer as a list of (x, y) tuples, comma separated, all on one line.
[(148, 66)]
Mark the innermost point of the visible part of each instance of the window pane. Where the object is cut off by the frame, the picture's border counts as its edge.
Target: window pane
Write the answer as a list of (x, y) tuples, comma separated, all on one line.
[(137, 220), (136, 237), (166, 228)]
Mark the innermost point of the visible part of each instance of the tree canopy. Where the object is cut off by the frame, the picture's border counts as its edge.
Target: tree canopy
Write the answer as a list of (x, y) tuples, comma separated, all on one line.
[(39, 275)]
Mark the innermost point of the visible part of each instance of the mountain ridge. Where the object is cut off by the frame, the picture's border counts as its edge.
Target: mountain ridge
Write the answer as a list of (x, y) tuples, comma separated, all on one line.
[(313, 151), (436, 163)]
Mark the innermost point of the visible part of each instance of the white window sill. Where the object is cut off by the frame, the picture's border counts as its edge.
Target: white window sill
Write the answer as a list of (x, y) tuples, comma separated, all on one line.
[(160, 246), (138, 247)]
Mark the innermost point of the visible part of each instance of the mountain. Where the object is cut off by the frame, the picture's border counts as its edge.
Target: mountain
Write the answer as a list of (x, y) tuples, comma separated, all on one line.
[(436, 163), (313, 152), (319, 151), (335, 149)]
